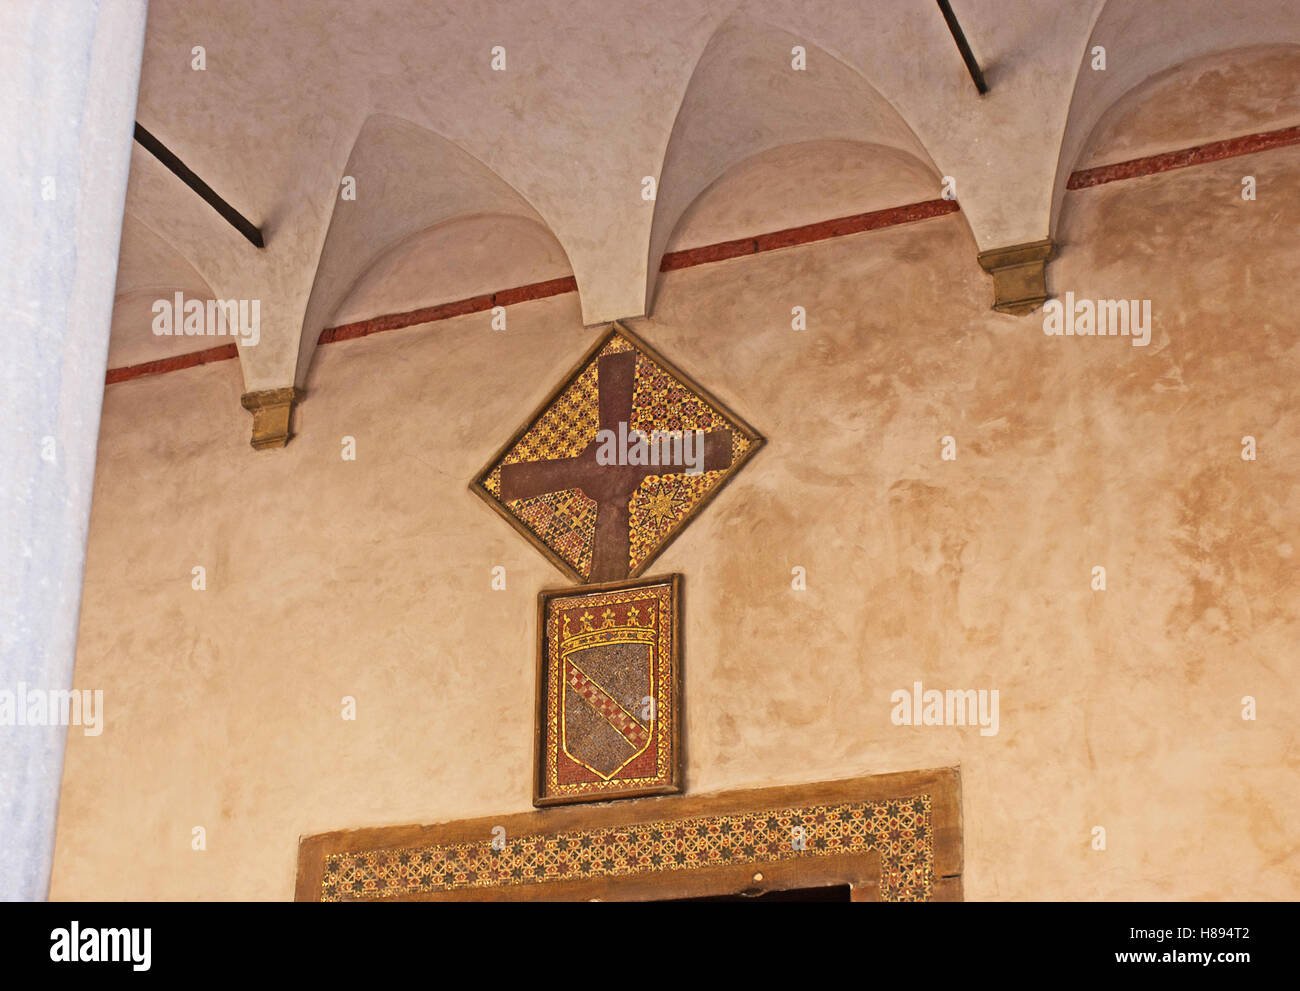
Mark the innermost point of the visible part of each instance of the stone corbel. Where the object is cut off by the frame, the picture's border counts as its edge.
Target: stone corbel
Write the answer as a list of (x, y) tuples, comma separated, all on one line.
[(1019, 275), (272, 411)]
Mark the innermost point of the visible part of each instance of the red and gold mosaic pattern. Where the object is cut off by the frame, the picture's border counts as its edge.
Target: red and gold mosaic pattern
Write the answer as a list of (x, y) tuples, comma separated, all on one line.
[(632, 628), (562, 430), (662, 502), (899, 830), (567, 428), (627, 725), (565, 521)]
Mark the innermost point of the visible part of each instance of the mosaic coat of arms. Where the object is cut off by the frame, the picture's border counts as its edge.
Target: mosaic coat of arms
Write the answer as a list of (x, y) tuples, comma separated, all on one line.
[(616, 462), (608, 716)]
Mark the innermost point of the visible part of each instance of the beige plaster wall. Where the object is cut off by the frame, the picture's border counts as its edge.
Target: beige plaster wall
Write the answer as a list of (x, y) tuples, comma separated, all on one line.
[(328, 578)]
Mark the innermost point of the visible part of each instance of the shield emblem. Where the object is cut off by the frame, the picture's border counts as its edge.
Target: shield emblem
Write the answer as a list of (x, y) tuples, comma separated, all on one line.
[(607, 723), (607, 704)]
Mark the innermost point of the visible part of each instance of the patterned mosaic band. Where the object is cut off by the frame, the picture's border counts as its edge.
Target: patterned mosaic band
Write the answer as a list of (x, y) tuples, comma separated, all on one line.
[(899, 830), (888, 837)]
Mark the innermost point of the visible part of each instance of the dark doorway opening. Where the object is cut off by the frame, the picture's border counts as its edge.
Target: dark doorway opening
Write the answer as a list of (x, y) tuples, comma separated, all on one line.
[(826, 893)]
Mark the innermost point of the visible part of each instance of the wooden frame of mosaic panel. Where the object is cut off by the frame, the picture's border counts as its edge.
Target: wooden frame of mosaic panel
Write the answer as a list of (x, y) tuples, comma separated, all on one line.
[(752, 440), (891, 837), (656, 768)]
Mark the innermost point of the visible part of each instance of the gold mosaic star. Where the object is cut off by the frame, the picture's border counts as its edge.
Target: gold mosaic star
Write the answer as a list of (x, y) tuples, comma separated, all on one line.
[(662, 506)]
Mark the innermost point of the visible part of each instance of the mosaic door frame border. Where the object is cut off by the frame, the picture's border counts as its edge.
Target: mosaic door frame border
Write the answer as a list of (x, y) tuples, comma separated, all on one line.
[(861, 870), (616, 328), (676, 783)]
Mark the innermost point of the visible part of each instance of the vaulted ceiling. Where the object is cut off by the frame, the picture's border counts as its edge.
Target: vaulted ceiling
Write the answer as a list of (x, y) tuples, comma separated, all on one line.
[(471, 177)]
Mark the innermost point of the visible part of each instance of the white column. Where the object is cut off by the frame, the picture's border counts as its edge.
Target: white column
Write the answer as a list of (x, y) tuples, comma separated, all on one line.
[(69, 70)]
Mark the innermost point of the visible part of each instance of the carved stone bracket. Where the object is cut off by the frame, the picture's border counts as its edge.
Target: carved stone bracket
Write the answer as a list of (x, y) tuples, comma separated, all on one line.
[(272, 411), (1019, 275)]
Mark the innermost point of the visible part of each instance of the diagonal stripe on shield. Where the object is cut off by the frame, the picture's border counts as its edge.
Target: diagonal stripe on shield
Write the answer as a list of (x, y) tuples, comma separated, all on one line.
[(602, 691)]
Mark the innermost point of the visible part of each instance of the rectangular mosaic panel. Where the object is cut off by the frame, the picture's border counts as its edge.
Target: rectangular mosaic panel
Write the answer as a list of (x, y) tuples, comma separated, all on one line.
[(608, 711)]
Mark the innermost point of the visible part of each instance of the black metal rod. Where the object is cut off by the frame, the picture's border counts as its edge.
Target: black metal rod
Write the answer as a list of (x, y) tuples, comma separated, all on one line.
[(959, 36), (236, 219)]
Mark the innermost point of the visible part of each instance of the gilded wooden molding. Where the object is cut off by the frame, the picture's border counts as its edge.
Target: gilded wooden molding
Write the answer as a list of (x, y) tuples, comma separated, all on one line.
[(272, 411), (1019, 275), (891, 837)]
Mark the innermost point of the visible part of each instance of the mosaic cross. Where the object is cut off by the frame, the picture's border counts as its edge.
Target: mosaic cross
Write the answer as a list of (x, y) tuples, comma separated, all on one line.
[(605, 521), (610, 486)]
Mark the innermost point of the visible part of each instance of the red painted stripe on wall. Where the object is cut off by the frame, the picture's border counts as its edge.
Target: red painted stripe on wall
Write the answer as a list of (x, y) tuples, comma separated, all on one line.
[(857, 224), (808, 233), (457, 308), (395, 321), (222, 353), (1214, 151), (707, 253)]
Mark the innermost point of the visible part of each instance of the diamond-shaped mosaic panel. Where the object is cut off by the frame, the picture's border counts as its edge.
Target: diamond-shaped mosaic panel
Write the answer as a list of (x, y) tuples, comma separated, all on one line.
[(617, 461)]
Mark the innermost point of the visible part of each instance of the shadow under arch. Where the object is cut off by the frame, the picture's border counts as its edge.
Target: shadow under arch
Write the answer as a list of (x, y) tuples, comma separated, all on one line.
[(409, 180), (1144, 41), (744, 99), (150, 268)]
